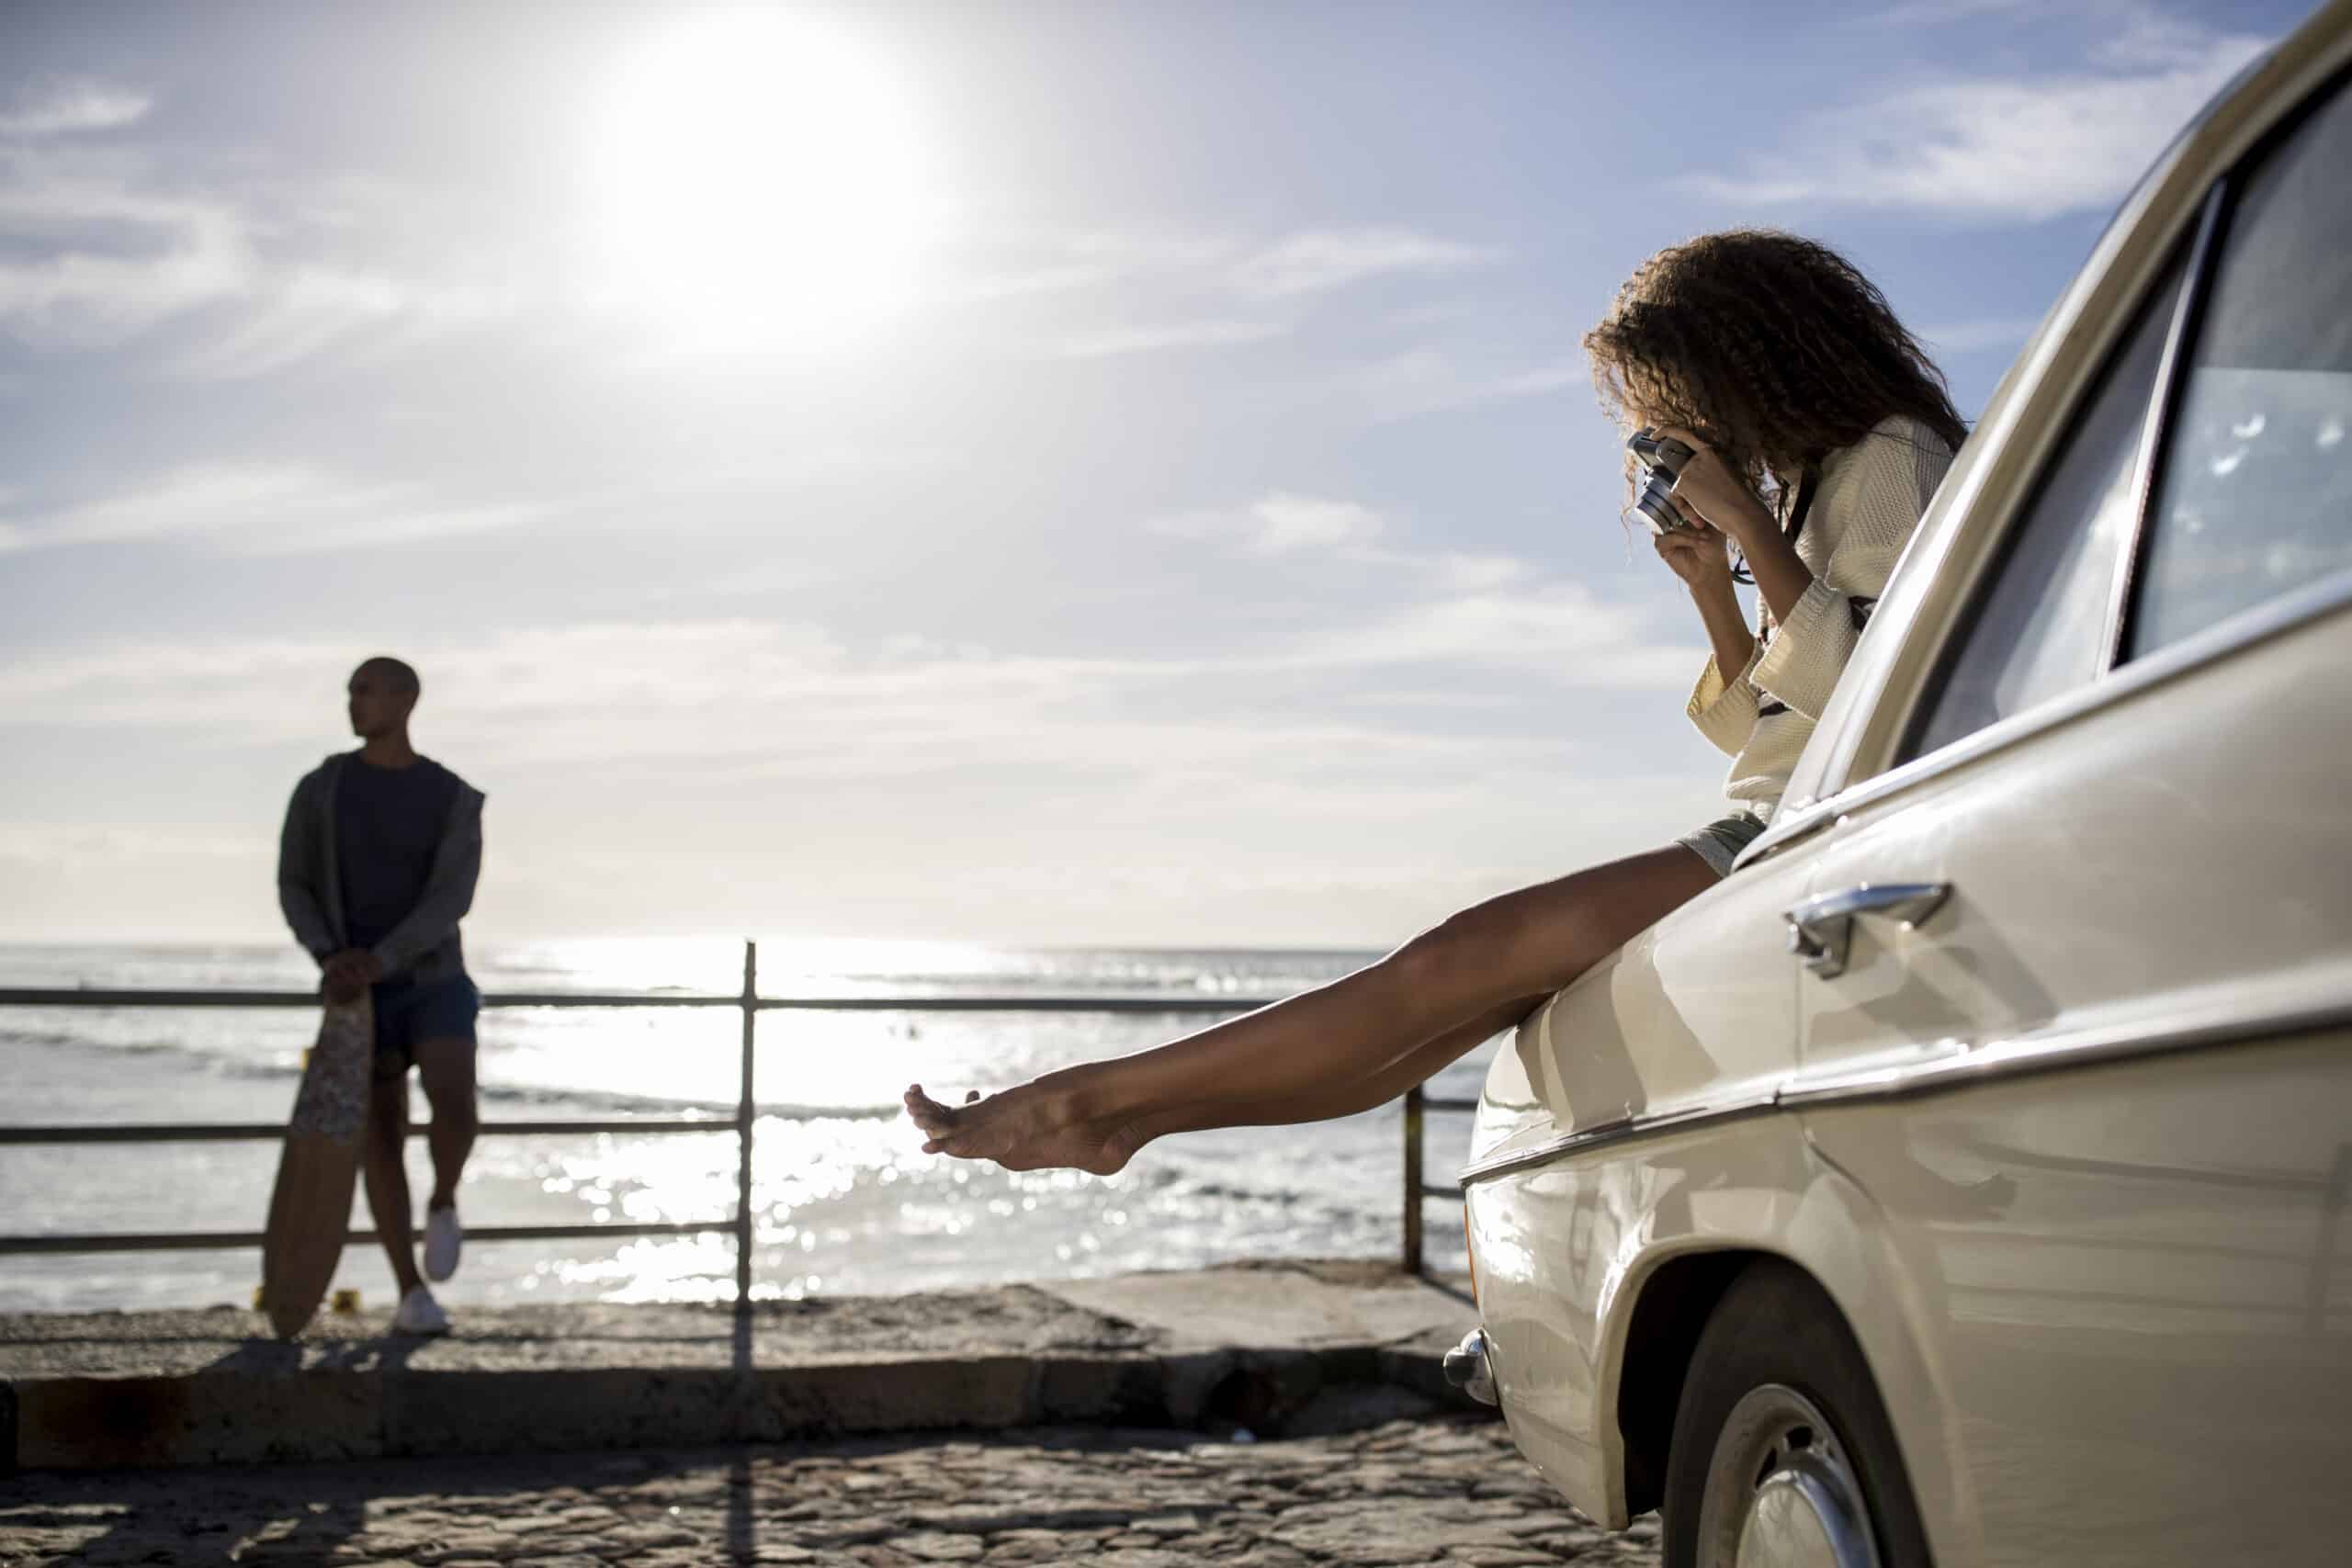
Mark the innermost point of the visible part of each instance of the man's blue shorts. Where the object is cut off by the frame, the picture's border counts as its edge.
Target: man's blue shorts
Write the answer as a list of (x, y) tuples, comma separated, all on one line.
[(408, 1010)]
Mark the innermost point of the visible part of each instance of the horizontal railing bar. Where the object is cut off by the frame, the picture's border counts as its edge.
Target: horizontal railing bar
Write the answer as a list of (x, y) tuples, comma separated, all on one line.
[(1016, 1004), (211, 1241), (1439, 1189), (91, 996), (614, 1124), (235, 1131), (1430, 1102)]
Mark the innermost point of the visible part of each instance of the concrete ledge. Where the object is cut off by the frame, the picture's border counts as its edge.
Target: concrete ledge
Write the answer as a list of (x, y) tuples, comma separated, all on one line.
[(1279, 1348)]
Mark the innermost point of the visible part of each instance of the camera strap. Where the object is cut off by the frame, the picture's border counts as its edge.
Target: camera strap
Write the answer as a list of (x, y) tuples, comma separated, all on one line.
[(1806, 485)]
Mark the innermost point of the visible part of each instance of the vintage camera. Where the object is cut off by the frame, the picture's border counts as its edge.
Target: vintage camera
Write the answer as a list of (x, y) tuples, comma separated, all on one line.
[(1662, 456)]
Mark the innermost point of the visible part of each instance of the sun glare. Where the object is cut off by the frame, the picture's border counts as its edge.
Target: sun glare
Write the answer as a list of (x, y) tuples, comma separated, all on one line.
[(760, 183)]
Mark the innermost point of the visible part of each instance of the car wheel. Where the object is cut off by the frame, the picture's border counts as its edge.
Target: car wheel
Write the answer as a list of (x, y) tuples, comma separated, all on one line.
[(1781, 1453)]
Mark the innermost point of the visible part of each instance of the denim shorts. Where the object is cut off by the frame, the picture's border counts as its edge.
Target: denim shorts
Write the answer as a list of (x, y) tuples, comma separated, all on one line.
[(1719, 843), (409, 1010)]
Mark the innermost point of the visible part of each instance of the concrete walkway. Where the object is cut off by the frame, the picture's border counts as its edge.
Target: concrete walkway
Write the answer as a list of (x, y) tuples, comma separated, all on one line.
[(1295, 1348), (1445, 1492)]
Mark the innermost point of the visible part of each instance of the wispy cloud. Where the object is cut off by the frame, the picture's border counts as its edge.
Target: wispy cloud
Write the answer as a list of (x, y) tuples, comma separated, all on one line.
[(757, 689), (1432, 380), (102, 244), (2004, 148), (78, 843), (1975, 336), (100, 255), (1285, 524), (1319, 260), (1931, 13), (1007, 256), (304, 312), (1560, 632), (1113, 341), (1185, 290), (1277, 524), (264, 508), (1290, 523), (60, 108)]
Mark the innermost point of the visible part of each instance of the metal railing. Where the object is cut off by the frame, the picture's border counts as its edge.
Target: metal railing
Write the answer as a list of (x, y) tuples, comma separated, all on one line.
[(748, 1001), (1416, 1186)]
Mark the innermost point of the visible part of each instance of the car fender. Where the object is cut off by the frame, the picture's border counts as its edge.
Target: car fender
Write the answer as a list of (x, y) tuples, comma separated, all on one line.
[(1559, 1327)]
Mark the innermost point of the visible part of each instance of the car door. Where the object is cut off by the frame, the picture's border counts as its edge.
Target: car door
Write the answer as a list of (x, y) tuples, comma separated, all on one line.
[(2078, 964), (1577, 1161)]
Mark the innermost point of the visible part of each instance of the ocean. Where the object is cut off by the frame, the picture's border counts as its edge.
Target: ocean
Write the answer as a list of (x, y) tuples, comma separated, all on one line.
[(846, 1203)]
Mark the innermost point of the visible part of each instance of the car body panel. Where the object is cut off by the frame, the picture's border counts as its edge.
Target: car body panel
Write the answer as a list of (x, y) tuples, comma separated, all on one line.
[(2069, 860), (2129, 1286)]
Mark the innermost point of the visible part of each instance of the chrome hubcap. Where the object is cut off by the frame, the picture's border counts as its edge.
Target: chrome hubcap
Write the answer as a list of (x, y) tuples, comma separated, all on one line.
[(1780, 1492)]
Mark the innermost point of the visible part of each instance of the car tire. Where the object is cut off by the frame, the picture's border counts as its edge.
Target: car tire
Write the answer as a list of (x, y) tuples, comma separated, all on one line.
[(1780, 1439)]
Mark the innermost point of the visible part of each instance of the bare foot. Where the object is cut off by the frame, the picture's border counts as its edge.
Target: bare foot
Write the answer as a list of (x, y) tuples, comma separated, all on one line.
[(1031, 1127)]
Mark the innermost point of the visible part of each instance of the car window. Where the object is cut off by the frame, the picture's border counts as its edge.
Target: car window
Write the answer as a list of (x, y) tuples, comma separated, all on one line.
[(2038, 628), (2255, 495)]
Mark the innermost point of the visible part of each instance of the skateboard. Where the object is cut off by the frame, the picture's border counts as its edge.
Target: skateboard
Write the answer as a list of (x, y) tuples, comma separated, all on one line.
[(309, 1208)]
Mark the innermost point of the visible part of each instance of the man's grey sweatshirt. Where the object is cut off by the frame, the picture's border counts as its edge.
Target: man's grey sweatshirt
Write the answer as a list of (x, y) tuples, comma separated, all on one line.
[(309, 888)]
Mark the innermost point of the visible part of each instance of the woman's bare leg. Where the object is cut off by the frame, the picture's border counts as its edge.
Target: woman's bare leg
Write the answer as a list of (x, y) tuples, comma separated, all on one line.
[(1322, 1043), (1340, 1099)]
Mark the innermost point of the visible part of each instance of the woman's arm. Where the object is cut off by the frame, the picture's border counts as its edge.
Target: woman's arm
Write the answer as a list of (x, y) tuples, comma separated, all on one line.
[(1884, 491), (1727, 631), (1782, 576), (1697, 556), (1820, 618)]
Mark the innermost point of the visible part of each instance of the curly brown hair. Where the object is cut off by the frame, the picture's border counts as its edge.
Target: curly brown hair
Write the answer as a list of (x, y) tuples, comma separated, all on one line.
[(1773, 348)]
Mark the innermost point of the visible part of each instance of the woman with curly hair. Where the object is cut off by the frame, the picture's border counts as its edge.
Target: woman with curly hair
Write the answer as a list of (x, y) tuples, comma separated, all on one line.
[(1819, 431)]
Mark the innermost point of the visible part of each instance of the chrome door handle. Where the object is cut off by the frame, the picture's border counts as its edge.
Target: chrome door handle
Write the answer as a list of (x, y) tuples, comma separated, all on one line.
[(1821, 929)]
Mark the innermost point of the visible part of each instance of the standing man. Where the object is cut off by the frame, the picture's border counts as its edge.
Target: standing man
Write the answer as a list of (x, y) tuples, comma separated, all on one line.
[(375, 868)]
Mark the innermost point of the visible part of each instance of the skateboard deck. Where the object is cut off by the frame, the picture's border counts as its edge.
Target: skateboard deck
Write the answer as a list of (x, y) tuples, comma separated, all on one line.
[(309, 1208)]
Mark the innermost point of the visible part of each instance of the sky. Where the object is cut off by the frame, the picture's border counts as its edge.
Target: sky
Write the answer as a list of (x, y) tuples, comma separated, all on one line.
[(1044, 473)]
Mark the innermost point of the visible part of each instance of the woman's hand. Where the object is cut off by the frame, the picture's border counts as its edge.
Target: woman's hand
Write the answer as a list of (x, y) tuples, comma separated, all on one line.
[(1709, 492), (1700, 556)]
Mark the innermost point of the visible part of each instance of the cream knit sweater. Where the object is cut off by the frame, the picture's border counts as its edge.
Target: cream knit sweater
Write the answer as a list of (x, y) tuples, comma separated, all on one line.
[(1867, 501)]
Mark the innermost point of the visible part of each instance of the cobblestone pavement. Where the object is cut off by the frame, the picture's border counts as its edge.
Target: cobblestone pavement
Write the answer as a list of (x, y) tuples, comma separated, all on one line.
[(1448, 1492)]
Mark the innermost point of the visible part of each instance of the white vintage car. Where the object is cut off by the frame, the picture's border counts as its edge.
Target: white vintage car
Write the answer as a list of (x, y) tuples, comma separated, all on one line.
[(1963, 1181)]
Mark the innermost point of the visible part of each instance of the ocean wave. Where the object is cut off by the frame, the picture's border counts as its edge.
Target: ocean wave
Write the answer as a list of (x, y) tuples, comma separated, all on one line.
[(544, 1095), (610, 1100), (285, 1068), (67, 1040)]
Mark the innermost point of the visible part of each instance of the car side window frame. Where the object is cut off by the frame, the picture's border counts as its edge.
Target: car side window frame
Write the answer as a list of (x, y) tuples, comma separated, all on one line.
[(2218, 233), (2115, 677), (2153, 321), (2164, 402), (2193, 261)]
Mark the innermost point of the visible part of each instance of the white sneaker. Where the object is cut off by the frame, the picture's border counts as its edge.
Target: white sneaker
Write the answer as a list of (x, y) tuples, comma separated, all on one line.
[(443, 1237), (420, 1314)]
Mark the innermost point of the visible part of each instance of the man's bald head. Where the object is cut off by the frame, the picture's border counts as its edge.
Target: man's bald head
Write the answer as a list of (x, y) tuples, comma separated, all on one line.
[(383, 691), (399, 672)]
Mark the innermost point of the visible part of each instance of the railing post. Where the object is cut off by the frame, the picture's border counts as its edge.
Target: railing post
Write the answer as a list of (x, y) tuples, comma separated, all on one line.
[(743, 1114), (1413, 1180)]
